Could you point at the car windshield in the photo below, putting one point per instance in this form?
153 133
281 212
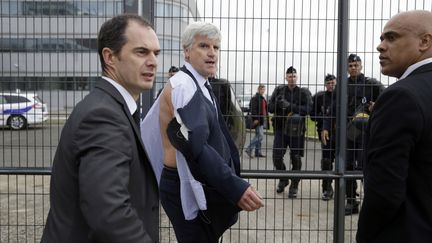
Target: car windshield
38 99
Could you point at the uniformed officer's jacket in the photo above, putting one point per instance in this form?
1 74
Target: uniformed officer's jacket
361 91
322 107
299 99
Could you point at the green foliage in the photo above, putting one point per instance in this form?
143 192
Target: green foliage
310 128
311 131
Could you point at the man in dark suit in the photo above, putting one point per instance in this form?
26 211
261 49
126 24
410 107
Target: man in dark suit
103 188
398 167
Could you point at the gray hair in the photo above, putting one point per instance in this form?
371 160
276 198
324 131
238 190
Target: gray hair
199 28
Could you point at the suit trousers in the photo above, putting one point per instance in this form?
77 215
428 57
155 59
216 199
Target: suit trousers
186 231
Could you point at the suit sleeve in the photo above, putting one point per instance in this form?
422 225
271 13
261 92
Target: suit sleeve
233 147
388 154
213 167
216 170
105 155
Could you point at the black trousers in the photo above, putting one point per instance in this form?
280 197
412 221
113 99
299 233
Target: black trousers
328 153
186 231
354 161
281 143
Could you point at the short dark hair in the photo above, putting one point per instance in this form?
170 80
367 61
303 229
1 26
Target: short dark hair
260 86
291 70
329 77
112 34
354 58
173 69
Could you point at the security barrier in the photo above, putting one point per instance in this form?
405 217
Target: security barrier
49 48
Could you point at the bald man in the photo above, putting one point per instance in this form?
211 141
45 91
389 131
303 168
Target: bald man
398 167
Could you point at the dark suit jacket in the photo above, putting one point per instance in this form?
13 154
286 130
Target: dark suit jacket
103 188
211 147
397 206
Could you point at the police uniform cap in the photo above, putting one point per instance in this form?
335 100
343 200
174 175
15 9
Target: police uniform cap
329 77
291 70
353 58
173 69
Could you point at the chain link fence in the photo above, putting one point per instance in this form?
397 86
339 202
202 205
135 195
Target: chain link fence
49 60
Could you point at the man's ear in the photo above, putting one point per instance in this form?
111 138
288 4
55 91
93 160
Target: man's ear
108 56
426 42
186 54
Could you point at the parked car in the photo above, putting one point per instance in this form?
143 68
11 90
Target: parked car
244 100
18 110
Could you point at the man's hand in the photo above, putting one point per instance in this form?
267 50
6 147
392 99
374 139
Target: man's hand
371 105
250 200
283 104
255 123
324 136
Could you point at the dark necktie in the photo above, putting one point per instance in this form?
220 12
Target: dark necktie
136 117
210 90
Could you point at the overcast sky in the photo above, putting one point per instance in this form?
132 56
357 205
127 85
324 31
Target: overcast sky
262 38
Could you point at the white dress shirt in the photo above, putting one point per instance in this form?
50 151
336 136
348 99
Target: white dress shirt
183 89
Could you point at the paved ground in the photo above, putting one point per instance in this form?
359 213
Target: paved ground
24 200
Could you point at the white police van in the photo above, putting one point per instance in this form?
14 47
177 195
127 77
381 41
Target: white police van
20 109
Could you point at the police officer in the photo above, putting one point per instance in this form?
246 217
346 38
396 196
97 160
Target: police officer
290 104
362 94
322 107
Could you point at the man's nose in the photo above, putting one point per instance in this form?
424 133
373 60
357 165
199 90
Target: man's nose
380 48
152 60
212 51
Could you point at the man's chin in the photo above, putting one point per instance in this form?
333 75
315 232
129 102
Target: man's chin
147 86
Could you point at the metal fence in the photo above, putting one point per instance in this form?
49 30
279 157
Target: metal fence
48 48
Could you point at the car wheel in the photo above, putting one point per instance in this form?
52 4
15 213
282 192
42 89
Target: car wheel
17 122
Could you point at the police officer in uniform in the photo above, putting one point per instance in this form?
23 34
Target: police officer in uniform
322 107
290 104
362 94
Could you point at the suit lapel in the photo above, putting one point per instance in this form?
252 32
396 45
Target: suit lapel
111 90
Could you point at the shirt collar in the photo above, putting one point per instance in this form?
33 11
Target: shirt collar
413 67
200 79
130 102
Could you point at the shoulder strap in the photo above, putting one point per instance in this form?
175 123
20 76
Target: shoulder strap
185 70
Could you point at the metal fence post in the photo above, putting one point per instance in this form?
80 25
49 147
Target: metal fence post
341 117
